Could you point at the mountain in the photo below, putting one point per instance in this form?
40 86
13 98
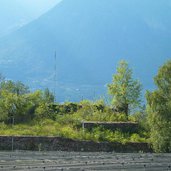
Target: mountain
89 37
16 13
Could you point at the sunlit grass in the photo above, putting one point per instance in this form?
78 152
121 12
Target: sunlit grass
54 128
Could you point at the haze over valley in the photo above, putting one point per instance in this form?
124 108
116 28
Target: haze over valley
89 37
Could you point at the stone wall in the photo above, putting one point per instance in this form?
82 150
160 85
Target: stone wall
64 144
130 127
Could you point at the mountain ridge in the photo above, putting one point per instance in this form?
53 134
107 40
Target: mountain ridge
89 38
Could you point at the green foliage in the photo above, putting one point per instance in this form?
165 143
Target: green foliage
159 110
21 107
137 138
14 87
52 128
63 109
17 102
35 113
125 91
48 96
2 78
140 117
97 111
42 111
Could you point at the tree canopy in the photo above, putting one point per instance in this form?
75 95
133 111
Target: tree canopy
159 110
125 91
17 102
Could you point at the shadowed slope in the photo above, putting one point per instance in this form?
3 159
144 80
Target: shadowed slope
90 37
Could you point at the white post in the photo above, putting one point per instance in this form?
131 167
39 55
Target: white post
83 127
12 145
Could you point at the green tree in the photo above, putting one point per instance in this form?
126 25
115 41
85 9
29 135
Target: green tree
43 110
159 110
19 107
17 102
14 87
2 78
13 103
48 96
125 91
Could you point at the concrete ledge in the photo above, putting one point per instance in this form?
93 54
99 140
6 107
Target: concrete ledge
65 144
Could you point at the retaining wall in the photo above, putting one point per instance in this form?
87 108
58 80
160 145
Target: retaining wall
131 127
64 144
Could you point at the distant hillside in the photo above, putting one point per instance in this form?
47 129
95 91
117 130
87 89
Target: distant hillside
16 13
89 37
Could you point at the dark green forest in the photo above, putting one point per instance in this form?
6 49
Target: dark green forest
26 112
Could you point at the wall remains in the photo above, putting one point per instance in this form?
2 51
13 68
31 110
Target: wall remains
65 144
131 127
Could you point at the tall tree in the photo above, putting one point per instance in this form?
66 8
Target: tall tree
48 96
2 78
159 110
125 91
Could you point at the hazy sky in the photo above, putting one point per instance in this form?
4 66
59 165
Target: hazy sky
16 13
